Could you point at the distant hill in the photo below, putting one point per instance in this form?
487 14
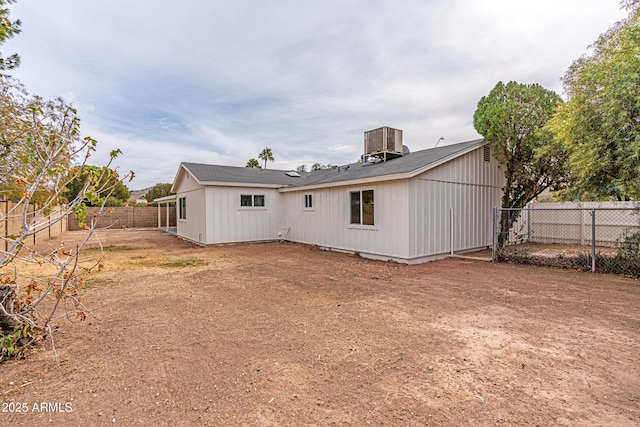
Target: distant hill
139 194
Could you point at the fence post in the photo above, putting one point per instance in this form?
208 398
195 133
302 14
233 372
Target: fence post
495 229
528 223
593 240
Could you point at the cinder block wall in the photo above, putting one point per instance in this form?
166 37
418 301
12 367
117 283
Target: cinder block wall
128 217
11 225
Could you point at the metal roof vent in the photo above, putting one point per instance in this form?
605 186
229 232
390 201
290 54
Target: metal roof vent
384 142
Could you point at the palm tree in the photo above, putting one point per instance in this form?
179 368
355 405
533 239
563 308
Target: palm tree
253 163
266 155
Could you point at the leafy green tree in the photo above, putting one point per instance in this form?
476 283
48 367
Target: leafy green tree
157 191
320 166
253 163
8 29
599 125
108 184
512 120
265 155
301 168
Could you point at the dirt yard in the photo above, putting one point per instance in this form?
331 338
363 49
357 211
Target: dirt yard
278 334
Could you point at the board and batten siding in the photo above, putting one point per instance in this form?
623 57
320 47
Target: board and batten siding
193 226
467 189
228 222
327 223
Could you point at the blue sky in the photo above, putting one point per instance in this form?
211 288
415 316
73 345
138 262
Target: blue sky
216 82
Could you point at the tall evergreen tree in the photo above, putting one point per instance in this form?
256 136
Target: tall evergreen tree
512 119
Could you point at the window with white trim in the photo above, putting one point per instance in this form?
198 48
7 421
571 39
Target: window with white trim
362 212
308 201
252 200
182 208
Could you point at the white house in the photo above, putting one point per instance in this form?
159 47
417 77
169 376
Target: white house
394 205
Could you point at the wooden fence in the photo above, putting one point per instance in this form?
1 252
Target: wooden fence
11 223
129 217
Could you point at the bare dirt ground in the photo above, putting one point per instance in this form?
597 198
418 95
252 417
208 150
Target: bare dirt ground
554 250
278 334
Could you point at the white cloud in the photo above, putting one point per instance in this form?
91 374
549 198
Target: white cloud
218 81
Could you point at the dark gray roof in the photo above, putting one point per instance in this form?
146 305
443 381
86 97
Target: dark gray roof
405 164
240 175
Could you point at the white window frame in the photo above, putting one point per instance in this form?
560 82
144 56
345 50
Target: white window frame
308 201
361 214
255 198
182 208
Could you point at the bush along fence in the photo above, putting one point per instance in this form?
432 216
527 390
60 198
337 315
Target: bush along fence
129 217
597 237
11 223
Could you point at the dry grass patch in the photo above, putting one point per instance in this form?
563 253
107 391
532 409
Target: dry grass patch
172 263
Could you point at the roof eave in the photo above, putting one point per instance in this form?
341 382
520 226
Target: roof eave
348 182
175 179
241 184
166 199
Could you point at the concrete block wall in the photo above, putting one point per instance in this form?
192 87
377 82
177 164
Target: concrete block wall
11 223
128 217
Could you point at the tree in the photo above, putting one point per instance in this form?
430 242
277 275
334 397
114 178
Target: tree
265 155
319 166
512 120
41 142
157 191
253 163
301 168
599 125
118 193
7 30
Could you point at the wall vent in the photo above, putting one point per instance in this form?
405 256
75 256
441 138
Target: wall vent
487 153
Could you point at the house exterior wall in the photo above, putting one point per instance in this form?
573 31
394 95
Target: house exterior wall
327 223
228 222
193 227
447 208
467 189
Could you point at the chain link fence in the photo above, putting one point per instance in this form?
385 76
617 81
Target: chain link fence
599 238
